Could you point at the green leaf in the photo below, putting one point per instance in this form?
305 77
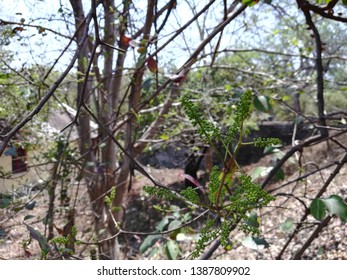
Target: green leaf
336 206
187 217
153 252
2 234
249 2
5 202
255 243
39 238
182 237
149 242
162 224
27 217
164 137
287 226
260 171
102 145
175 224
174 227
262 103
285 98
30 205
141 60
147 84
172 250
280 174
228 87
253 220
299 120
317 209
271 149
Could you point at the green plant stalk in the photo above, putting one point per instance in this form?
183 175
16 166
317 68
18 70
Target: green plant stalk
227 151
219 192
227 169
210 141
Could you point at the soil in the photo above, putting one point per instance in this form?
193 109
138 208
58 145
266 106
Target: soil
277 220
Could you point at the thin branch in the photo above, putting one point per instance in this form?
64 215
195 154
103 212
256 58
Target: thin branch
6 138
337 169
319 67
140 106
321 226
186 67
226 50
216 31
302 177
62 53
323 11
155 125
121 231
292 151
180 30
293 196
17 72
135 163
308 142
40 27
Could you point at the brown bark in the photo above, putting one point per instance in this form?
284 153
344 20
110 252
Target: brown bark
134 97
94 180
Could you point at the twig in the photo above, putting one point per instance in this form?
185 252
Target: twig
6 138
302 177
293 150
319 66
322 10
319 194
5 22
136 164
121 231
322 225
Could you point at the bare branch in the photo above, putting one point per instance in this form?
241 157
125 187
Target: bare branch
337 169
6 138
319 68
323 11
5 22
314 235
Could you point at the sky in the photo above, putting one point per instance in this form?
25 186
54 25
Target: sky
36 48
30 46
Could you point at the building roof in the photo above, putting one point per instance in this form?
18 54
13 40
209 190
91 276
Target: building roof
60 118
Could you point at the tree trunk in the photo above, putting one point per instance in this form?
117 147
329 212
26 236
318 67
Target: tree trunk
96 176
101 170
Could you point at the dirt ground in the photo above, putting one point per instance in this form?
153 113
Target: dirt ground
288 208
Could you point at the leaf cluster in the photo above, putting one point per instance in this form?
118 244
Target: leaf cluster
247 196
242 110
266 142
191 195
160 192
206 129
